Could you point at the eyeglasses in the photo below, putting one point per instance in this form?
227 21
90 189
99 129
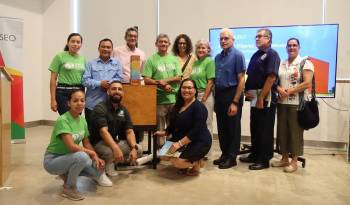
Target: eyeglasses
224 38
182 43
260 36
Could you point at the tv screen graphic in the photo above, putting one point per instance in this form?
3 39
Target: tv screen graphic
318 42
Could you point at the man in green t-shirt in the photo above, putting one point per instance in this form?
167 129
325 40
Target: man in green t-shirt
163 70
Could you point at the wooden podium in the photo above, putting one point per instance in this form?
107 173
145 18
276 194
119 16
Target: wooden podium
5 124
141 102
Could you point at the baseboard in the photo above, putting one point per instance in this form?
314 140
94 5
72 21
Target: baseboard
38 123
341 146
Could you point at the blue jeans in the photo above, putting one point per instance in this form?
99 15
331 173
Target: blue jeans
72 165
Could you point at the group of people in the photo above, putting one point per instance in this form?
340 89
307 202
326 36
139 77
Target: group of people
190 87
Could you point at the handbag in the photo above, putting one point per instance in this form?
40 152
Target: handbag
308 114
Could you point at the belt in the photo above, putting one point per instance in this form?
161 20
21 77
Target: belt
63 86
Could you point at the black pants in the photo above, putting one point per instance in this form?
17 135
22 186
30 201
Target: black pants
262 123
229 128
62 99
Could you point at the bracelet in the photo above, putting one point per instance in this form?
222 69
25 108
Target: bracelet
180 143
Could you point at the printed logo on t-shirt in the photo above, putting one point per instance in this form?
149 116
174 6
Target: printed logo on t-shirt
78 137
196 70
263 57
165 67
73 66
121 113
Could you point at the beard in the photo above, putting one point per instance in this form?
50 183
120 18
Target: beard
115 99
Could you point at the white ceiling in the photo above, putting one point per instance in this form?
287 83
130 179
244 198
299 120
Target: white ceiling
37 6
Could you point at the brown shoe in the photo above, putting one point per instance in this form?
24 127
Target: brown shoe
72 194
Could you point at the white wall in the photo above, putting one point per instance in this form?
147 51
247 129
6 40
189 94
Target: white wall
31 59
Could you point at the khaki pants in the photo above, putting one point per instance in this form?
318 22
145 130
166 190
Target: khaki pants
163 118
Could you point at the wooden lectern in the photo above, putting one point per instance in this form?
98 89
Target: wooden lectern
5 124
141 102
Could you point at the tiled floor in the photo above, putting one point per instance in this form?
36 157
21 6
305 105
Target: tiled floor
325 180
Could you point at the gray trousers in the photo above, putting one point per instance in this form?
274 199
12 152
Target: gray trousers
106 153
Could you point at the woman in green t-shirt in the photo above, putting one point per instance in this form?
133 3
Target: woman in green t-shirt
65 157
67 69
203 73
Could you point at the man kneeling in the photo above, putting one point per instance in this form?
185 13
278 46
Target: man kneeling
112 132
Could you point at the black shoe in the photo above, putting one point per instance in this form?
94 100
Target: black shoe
259 166
228 163
247 159
219 160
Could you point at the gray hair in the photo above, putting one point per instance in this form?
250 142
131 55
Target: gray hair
162 35
227 30
203 42
267 32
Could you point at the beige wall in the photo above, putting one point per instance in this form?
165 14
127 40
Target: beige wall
31 59
45 34
98 21
56 28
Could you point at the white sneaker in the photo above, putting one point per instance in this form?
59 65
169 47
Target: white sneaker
103 180
110 171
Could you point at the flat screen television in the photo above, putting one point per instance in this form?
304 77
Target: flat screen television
319 42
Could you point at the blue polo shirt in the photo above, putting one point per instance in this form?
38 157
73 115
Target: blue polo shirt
228 65
260 66
96 71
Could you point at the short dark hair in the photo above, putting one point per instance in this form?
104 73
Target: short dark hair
189 47
105 39
116 81
295 39
73 92
66 48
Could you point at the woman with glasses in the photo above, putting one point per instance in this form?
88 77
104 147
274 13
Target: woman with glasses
188 130
182 49
289 134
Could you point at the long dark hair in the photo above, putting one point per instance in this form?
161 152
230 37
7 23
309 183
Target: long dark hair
189 46
179 100
66 48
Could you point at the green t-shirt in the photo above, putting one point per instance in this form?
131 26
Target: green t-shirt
202 71
69 68
161 67
68 125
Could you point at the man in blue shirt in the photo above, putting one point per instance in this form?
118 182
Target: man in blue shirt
229 86
261 91
98 75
